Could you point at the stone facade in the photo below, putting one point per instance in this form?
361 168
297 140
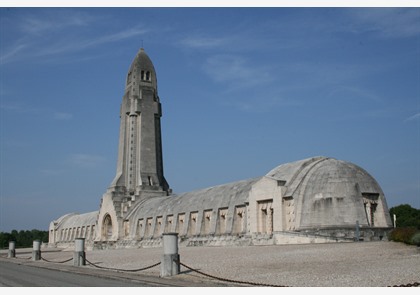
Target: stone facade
318 199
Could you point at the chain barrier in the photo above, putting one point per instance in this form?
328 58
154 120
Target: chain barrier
126 270
56 261
23 257
416 284
227 280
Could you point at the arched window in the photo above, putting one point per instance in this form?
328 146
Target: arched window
107 227
146 76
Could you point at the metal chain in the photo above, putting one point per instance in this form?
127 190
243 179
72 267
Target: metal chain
227 280
127 270
416 284
23 257
56 261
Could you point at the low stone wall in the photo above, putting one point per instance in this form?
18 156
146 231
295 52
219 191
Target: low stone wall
331 235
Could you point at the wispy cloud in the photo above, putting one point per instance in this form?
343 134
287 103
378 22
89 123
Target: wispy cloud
22 108
236 71
54 21
12 53
82 44
62 116
85 160
353 92
51 172
262 105
386 22
51 36
413 118
202 42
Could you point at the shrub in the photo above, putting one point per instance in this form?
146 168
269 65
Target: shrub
415 239
403 234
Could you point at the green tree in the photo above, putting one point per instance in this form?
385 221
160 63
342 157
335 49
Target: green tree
407 216
4 240
23 238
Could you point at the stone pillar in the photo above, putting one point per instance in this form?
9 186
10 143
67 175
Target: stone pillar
12 249
36 252
79 255
169 266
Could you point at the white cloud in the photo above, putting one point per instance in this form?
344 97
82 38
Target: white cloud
58 34
56 21
235 71
62 116
69 46
202 42
23 108
51 172
86 160
413 117
388 22
10 54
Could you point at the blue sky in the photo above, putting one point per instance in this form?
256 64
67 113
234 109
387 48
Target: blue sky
243 90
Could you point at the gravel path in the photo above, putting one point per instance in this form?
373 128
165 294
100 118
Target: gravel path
363 264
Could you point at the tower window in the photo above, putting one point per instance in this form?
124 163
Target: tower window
145 76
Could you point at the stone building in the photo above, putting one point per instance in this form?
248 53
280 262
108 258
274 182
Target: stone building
318 199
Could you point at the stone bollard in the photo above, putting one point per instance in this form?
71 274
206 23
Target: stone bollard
36 252
169 266
79 255
12 249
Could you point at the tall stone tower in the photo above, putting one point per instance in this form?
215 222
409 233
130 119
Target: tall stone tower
140 164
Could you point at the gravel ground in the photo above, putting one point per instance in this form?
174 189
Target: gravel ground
363 264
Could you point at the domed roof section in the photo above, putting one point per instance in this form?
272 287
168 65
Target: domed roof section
142 70
331 171
330 193
324 169
289 171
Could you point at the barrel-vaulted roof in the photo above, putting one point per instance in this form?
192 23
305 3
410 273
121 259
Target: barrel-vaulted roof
221 196
77 220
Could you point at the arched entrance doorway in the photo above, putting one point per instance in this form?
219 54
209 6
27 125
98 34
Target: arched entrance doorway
107 227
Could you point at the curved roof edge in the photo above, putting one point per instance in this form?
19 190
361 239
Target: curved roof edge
220 196
77 220
288 171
